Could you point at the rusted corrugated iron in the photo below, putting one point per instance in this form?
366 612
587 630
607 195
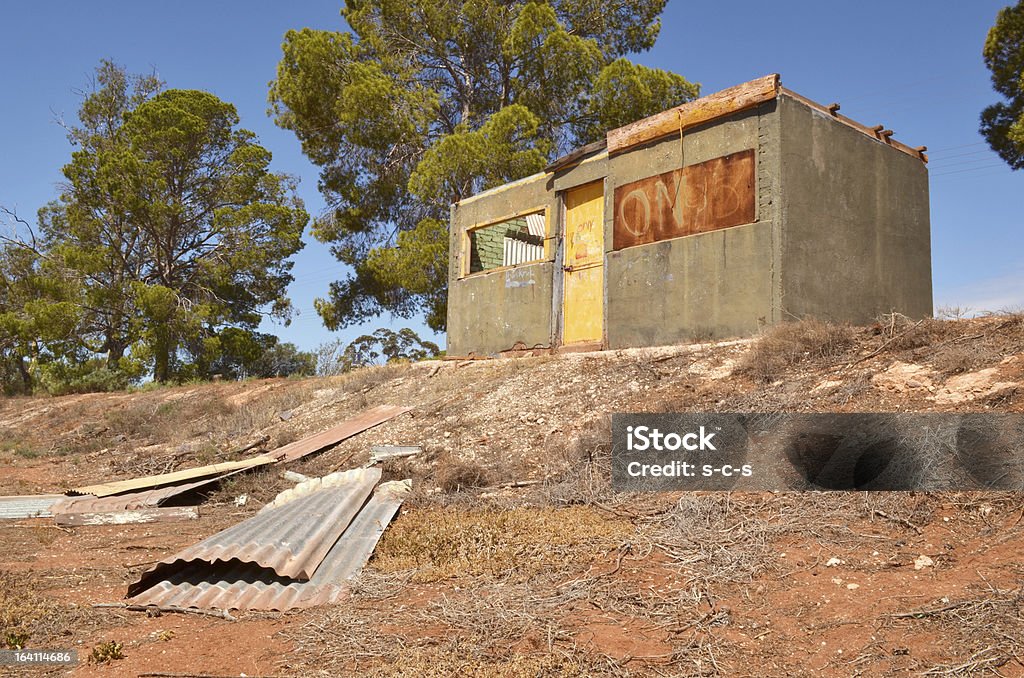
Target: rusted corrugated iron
132 500
333 436
176 477
28 506
244 586
290 541
715 194
290 452
310 485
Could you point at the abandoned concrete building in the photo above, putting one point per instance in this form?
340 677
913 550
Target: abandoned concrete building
710 220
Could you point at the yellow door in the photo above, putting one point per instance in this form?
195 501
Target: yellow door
583 287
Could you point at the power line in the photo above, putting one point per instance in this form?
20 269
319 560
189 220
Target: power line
970 169
944 158
951 148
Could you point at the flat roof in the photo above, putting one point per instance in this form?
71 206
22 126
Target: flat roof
700 111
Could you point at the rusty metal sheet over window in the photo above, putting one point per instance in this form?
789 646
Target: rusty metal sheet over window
715 194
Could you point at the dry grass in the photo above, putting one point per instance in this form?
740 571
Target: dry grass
453 542
364 379
264 411
28 618
454 475
987 627
787 344
511 636
169 420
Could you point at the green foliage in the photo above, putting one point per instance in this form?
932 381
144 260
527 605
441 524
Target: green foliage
1002 124
169 231
424 103
383 345
238 354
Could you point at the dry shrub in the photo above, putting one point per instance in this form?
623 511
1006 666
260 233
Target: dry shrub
106 652
904 334
584 462
789 343
444 543
260 484
454 475
960 359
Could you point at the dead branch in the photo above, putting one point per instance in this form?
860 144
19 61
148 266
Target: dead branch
220 614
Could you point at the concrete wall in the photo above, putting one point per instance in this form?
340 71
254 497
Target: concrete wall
493 310
711 285
700 287
856 240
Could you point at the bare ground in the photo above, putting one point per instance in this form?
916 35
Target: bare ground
561 577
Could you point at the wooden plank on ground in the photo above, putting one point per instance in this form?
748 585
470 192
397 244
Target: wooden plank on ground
145 515
333 436
696 112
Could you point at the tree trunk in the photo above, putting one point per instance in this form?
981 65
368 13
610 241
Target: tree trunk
26 376
114 354
162 356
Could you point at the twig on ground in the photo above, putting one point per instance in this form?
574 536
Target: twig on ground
220 614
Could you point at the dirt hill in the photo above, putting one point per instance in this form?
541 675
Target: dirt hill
513 557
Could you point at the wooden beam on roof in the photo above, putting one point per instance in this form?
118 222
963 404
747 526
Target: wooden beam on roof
576 156
872 132
693 113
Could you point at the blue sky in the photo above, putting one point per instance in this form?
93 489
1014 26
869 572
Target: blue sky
914 65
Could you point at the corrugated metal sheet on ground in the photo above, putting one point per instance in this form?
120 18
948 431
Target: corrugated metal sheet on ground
28 506
131 501
291 540
242 586
121 486
333 436
311 485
